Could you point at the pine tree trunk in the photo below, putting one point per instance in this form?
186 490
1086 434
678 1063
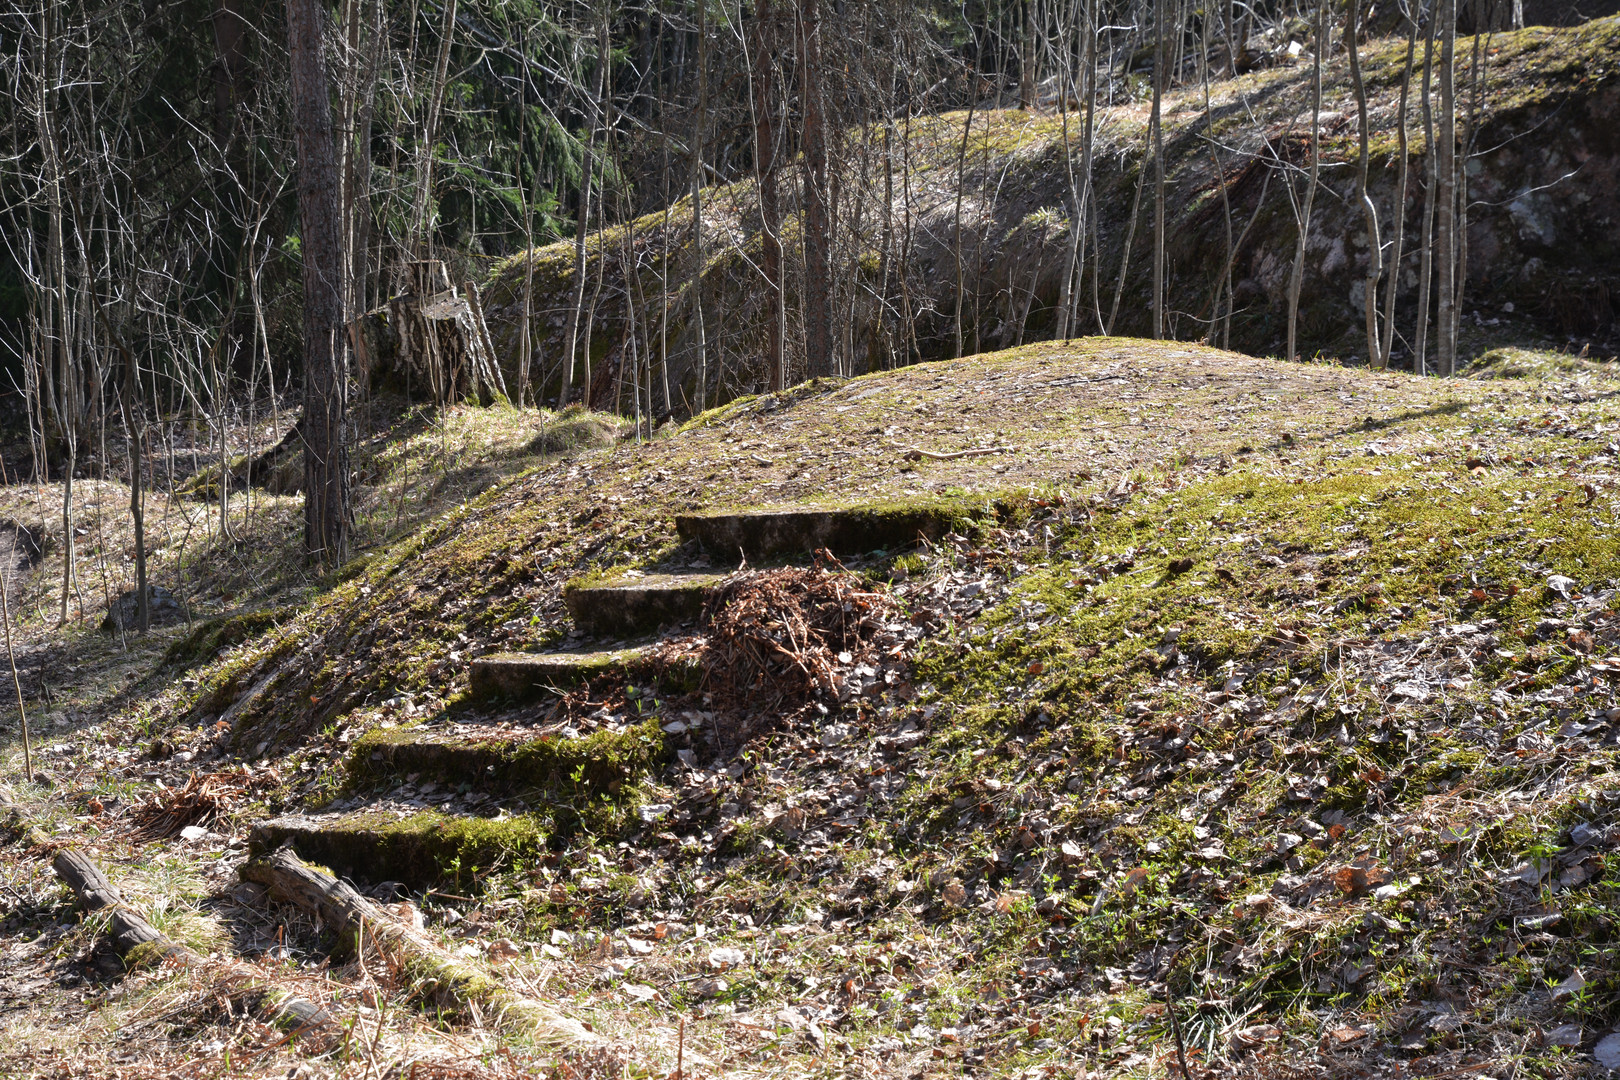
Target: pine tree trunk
326 465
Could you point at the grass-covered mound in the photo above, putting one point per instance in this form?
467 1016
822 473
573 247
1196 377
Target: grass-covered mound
1276 695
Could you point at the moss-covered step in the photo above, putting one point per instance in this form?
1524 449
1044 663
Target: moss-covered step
851 530
417 849
522 676
561 770
634 604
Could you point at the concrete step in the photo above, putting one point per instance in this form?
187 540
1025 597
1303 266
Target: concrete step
636 604
417 848
760 534
547 767
525 676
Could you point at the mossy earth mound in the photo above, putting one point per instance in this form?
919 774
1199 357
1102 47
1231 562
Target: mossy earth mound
493 573
1277 693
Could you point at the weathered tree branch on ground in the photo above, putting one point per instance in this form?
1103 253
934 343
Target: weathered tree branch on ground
915 453
432 971
138 942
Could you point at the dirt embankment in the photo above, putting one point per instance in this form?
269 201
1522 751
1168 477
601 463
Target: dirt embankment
1543 242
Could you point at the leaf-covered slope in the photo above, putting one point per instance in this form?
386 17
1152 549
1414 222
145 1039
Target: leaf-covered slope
1278 693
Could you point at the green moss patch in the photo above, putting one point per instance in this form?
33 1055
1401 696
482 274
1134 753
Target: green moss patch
562 769
419 850
213 636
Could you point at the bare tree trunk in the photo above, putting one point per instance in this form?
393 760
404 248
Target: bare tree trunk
1077 226
1087 151
421 235
525 331
1398 236
1369 212
576 310
763 63
1446 228
59 385
357 203
1431 181
326 464
135 435
961 187
1156 124
1130 238
1297 278
817 213
697 205
1476 91
1026 65
1223 283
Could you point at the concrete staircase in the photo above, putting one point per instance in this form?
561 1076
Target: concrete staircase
475 799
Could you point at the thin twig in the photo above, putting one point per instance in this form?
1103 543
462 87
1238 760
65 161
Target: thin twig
1175 1027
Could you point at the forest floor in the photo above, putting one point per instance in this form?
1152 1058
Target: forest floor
1271 699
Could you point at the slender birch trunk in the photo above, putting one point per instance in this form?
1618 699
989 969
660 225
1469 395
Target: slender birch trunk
1369 212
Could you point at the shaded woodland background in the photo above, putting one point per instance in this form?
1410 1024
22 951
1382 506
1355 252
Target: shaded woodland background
652 207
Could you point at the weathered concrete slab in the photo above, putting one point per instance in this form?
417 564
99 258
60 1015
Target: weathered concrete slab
760 534
524 676
636 604
548 767
415 848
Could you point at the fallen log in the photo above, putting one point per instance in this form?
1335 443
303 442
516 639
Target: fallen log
139 943
433 973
